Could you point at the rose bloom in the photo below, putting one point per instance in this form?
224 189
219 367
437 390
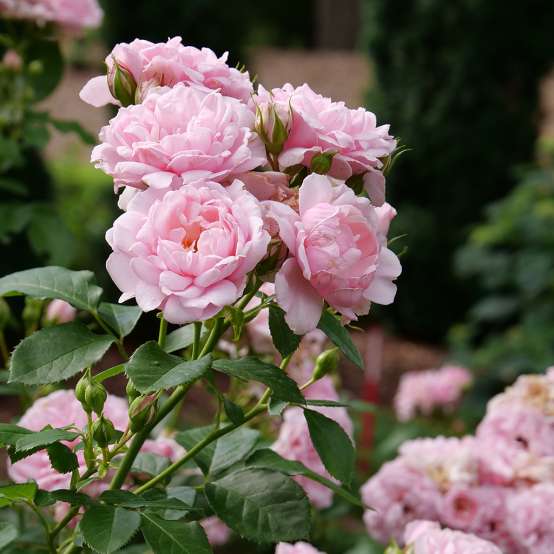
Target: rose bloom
179 135
294 441
426 537
70 14
318 125
517 444
396 495
60 409
187 252
167 64
425 391
530 519
298 548
339 253
59 311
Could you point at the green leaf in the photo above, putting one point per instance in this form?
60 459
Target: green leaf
14 217
10 434
252 369
152 369
189 438
332 327
261 505
48 498
332 444
17 493
233 448
8 533
174 537
268 459
149 463
44 438
122 319
13 186
182 338
356 405
276 406
57 353
62 458
234 411
187 495
106 529
75 287
284 339
127 499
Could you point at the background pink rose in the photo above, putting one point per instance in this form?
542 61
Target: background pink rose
338 254
298 548
187 252
319 125
71 14
167 64
179 135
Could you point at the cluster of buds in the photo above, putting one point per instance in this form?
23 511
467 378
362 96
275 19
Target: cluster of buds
91 395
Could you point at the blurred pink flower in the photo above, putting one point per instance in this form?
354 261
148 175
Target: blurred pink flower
167 64
217 532
298 548
179 135
529 518
69 14
339 254
396 495
426 537
187 252
425 391
59 311
319 125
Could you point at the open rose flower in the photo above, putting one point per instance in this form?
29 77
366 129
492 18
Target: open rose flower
427 537
317 125
69 14
187 252
339 253
179 135
167 64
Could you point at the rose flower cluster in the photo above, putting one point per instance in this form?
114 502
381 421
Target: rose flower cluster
71 15
219 180
498 484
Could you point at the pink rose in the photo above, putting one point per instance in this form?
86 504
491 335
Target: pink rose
179 135
426 537
59 311
396 495
167 64
298 548
319 125
187 252
70 14
530 519
339 254
424 391
217 532
267 185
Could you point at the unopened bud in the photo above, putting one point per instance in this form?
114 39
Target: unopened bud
59 311
141 411
80 391
122 84
325 363
5 314
32 312
103 431
95 397
272 129
321 163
